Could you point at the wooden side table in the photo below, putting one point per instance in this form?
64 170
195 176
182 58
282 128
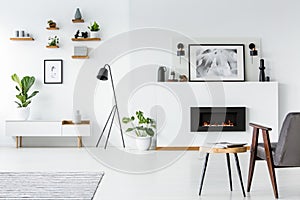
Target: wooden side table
234 151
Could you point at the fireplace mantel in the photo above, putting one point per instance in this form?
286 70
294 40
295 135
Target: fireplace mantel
176 99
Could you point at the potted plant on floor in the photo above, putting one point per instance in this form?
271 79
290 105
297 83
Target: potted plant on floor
142 127
94 28
24 99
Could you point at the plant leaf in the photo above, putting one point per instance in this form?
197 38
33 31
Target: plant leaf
33 94
18 88
16 79
27 82
149 131
126 120
19 105
26 103
130 129
21 98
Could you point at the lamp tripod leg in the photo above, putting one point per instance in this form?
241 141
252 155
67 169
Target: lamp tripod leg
113 108
120 126
112 121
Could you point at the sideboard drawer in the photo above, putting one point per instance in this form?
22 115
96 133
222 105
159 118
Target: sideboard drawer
33 128
76 130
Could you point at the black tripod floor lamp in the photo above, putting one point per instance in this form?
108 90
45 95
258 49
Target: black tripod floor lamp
103 76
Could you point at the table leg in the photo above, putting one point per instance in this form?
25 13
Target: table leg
17 141
203 172
79 141
239 172
20 141
229 170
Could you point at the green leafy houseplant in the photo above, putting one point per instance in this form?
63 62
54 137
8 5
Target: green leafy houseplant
94 27
51 23
53 41
23 88
143 127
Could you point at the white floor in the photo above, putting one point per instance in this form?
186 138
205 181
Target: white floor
179 180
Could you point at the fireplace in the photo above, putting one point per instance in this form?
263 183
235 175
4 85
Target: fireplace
204 119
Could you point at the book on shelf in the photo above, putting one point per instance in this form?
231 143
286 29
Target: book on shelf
227 144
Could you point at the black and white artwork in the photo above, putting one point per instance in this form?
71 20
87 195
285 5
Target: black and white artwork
53 71
216 62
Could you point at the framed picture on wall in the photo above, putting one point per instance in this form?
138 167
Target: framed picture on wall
53 71
216 62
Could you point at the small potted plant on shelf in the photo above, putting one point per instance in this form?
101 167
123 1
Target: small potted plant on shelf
94 28
144 129
51 23
53 41
24 99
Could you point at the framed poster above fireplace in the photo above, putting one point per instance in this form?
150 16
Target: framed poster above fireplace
216 62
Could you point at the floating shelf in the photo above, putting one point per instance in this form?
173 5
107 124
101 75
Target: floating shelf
50 28
22 39
78 20
52 47
86 39
80 57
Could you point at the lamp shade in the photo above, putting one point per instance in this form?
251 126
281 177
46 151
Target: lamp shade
103 74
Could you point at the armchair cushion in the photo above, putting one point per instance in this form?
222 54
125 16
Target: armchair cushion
261 150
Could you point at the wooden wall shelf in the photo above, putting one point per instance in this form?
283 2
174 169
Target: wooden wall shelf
52 47
80 57
86 39
22 39
49 28
78 20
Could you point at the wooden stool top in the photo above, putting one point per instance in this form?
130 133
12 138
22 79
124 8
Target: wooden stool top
224 150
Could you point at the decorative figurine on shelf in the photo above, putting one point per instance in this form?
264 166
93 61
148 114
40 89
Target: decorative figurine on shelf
78 14
183 78
77 34
51 23
172 77
262 76
84 34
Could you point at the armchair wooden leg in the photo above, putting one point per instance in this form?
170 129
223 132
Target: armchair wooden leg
269 159
252 158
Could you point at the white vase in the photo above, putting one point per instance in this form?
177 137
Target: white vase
143 143
23 113
94 34
77 117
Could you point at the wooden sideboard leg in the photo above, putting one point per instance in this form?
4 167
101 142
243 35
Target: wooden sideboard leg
79 138
20 141
17 141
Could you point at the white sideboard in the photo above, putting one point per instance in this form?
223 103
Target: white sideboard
32 128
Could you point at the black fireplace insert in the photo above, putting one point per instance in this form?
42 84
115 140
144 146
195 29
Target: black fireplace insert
205 119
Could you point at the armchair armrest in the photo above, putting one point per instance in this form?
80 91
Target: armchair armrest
260 127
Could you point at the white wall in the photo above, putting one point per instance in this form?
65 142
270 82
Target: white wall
54 102
274 22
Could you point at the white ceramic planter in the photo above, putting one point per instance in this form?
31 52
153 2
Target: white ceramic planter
143 143
94 34
23 113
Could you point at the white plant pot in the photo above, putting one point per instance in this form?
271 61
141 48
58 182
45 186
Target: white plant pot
143 143
94 34
23 113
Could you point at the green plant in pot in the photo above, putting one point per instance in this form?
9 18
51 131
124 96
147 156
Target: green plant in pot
51 23
24 98
53 41
143 127
94 28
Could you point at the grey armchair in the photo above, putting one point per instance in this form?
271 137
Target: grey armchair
284 153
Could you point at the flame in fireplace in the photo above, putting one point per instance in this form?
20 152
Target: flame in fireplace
217 124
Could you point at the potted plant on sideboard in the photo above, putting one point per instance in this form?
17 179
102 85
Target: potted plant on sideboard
94 28
143 128
51 23
23 86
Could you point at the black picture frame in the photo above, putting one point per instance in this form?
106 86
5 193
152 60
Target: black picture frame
53 71
216 62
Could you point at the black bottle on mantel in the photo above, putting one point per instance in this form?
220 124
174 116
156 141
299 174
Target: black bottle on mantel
262 76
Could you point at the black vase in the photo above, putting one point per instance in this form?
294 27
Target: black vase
262 76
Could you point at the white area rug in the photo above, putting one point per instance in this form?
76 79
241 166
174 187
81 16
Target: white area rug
49 185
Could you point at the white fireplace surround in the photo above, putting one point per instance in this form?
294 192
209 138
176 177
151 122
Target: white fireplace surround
259 98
